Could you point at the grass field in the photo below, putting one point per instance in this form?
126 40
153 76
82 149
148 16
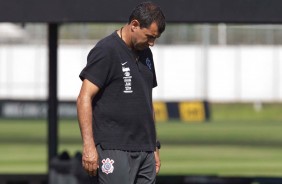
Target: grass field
238 141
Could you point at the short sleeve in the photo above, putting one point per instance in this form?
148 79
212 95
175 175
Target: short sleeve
98 67
155 83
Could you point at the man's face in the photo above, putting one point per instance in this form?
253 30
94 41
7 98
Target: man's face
145 37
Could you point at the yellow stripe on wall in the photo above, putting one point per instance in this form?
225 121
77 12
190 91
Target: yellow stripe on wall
161 113
191 111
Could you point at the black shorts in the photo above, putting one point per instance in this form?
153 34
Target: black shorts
125 167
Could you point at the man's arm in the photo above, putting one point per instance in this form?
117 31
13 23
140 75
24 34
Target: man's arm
84 111
158 160
157 152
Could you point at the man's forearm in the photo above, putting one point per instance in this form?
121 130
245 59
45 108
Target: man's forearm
84 112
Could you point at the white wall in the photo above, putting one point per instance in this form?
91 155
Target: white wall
241 73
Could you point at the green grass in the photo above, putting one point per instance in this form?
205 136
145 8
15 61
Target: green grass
238 141
246 112
221 160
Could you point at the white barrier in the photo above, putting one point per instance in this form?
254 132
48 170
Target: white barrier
234 73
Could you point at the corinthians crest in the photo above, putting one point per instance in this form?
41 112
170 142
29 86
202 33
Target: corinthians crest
107 166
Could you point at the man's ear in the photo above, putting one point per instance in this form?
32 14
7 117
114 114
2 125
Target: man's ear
134 24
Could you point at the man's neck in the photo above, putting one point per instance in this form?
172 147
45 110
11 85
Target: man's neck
124 34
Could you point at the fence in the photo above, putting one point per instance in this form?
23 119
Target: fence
215 73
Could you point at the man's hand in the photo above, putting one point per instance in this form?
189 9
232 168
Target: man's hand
90 160
158 161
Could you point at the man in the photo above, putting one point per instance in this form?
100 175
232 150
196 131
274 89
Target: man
115 110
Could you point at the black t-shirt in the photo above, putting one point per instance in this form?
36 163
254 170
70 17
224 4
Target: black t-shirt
122 109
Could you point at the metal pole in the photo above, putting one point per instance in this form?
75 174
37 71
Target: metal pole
205 50
205 80
52 96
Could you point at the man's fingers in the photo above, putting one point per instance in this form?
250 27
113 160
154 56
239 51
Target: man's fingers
85 165
90 168
93 173
90 160
158 169
93 169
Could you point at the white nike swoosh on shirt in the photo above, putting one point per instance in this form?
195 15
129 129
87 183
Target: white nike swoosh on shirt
124 63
